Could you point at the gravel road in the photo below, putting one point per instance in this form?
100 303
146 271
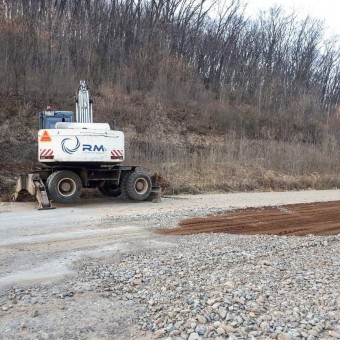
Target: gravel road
97 270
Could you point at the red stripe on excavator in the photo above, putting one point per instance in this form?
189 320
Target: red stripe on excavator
46 154
116 154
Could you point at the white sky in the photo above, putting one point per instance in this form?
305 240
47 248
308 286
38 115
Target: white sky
328 10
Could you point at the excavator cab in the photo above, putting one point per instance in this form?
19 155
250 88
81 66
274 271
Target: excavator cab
48 119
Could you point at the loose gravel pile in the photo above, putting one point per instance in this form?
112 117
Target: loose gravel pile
219 285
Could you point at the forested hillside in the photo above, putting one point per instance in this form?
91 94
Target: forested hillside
237 103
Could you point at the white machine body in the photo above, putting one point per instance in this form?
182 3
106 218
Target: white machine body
80 143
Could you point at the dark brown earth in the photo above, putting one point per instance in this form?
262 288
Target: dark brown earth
299 219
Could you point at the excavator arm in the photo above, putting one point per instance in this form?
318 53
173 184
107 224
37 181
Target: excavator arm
84 112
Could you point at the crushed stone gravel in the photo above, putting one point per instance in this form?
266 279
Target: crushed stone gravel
203 286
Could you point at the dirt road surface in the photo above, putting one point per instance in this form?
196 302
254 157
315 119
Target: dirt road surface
40 246
44 247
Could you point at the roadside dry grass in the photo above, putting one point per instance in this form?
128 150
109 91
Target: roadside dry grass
228 165
232 164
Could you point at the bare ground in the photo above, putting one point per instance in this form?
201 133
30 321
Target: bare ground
43 252
39 246
299 219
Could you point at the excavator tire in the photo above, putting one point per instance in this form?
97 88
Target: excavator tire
110 190
123 181
138 186
64 186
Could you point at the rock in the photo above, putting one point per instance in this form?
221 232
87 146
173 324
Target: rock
334 334
264 326
35 313
238 319
160 332
190 325
66 294
253 334
216 305
217 324
229 284
222 311
193 336
200 330
220 331
241 300
210 302
313 332
201 319
228 328
175 333
293 333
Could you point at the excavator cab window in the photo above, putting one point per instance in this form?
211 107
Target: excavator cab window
48 119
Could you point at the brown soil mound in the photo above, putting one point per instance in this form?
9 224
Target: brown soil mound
299 219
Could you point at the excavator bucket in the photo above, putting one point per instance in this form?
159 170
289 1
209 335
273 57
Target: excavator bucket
35 186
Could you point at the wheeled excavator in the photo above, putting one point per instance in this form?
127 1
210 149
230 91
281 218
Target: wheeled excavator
77 153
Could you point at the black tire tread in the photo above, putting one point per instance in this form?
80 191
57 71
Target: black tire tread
123 181
130 186
108 191
52 189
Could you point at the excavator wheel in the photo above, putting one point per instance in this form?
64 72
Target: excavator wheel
138 186
110 190
64 186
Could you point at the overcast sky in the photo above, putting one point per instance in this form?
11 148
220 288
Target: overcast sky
328 10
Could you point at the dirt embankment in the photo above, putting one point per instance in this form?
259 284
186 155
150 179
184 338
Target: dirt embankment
299 219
